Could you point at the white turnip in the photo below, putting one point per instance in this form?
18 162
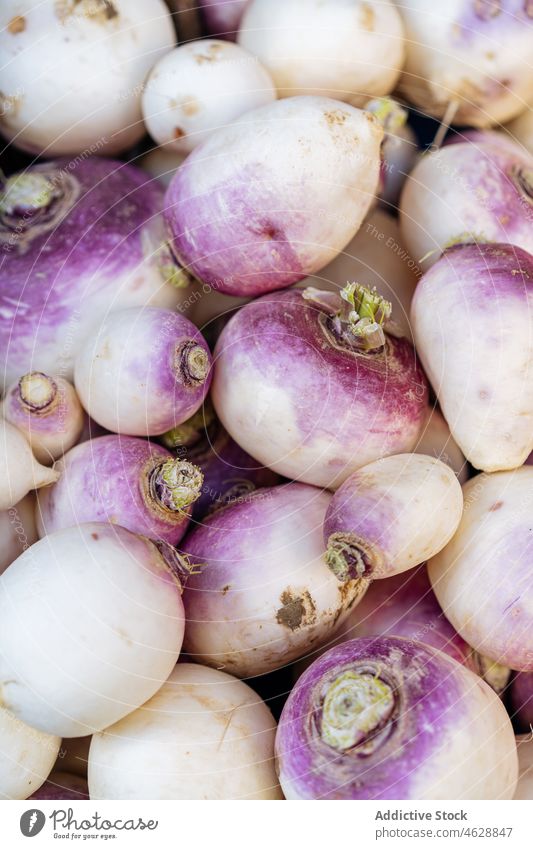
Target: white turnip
19 470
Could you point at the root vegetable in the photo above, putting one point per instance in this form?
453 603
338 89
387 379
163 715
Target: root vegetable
19 470
123 480
388 718
143 372
26 756
472 317
91 625
17 530
204 735
495 530
275 195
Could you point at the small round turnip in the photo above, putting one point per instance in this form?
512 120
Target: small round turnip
389 718
201 87
144 371
495 530
91 625
26 756
19 470
204 735
348 49
18 530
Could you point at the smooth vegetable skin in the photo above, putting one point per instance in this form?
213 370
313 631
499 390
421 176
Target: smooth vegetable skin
91 625
391 515
471 56
297 388
17 530
472 316
495 530
126 481
389 718
19 470
349 50
204 735
144 371
93 57
275 195
26 756
79 238
62 785
261 594
520 701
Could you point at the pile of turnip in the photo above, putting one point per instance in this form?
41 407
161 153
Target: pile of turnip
266 410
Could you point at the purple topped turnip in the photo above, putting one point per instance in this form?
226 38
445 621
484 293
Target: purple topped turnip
19 470
312 385
201 87
123 480
492 550
391 515
262 594
26 756
17 530
348 49
467 193
144 371
470 58
92 58
472 316
204 735
275 195
389 718
222 17
47 411
91 625
77 239
520 701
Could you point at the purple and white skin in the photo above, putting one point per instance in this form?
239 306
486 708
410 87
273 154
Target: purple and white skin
26 756
436 441
275 195
468 61
92 60
495 530
62 786
348 50
222 17
390 718
20 472
262 595
144 371
472 314
312 385
467 193
524 788
47 411
391 515
520 702
127 481
77 242
199 88
18 530
521 129
91 626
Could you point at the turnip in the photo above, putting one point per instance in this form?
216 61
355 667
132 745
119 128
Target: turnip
275 195
78 239
47 411
62 786
520 701
524 788
19 470
144 371
262 594
468 58
17 530
467 193
521 129
312 386
390 718
222 17
391 515
73 72
204 735
491 550
347 49
123 480
26 756
472 316
436 440
91 625
201 87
